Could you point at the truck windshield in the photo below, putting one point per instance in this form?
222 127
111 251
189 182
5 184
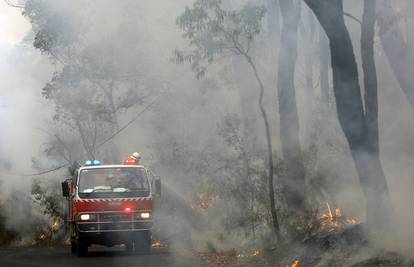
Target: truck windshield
113 182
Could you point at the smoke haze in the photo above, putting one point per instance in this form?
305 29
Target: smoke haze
179 135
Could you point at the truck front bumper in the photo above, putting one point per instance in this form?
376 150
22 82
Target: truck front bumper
114 238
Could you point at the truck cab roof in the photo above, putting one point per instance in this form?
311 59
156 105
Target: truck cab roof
111 166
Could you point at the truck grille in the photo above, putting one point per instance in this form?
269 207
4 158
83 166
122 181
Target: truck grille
108 217
115 221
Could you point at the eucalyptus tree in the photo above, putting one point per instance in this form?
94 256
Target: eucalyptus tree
214 33
351 115
294 180
370 74
97 76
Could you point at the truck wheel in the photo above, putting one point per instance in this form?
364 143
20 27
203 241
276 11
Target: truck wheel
142 243
73 247
82 247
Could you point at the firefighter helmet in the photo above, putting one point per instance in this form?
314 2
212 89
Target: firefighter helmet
136 155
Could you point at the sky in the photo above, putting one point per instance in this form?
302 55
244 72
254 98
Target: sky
13 26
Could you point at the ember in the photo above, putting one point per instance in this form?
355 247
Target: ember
55 223
294 264
204 202
253 254
158 244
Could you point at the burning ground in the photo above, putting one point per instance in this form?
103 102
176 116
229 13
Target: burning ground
332 239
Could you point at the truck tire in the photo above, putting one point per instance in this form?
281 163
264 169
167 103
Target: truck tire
82 247
73 247
142 243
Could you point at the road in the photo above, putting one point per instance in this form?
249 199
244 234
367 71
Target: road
98 257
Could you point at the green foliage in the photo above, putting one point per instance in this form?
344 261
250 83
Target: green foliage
213 31
49 199
241 182
229 130
48 25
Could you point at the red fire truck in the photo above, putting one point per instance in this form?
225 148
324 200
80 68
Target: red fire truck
110 205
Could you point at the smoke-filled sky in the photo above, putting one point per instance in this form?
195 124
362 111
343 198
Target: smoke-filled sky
13 26
22 68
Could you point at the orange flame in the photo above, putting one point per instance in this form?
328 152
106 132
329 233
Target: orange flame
158 244
338 212
295 263
204 202
334 220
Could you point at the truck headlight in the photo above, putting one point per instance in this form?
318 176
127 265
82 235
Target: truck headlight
144 215
87 217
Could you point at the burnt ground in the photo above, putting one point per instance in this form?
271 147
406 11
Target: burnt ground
341 247
344 247
347 247
99 257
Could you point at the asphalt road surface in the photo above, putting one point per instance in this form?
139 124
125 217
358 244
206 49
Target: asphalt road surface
98 257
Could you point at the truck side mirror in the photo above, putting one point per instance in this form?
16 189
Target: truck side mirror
65 189
158 186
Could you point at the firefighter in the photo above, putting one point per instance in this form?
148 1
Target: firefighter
136 157
116 180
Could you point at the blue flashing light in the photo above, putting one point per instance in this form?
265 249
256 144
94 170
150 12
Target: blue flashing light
92 162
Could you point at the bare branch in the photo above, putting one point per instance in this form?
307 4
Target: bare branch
9 3
349 15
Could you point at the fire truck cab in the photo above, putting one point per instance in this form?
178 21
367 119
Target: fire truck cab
110 205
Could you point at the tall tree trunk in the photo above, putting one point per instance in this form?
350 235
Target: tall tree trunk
309 53
307 28
351 113
273 17
370 74
371 92
270 163
399 55
249 113
324 67
294 181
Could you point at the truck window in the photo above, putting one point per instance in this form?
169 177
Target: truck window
113 182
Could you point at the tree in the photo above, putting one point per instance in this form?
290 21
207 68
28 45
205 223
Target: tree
96 78
351 114
243 181
370 74
215 32
294 180
323 54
